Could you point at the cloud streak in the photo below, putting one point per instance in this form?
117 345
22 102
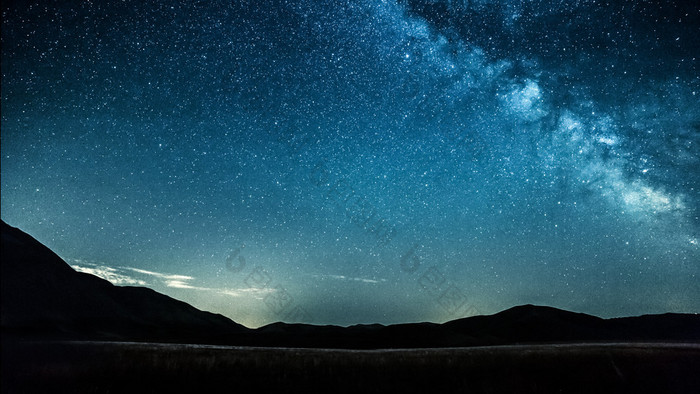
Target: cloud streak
167 277
108 273
128 276
349 278
254 292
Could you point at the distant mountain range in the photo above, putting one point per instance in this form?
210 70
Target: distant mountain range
43 297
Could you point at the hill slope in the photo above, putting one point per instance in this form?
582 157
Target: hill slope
42 295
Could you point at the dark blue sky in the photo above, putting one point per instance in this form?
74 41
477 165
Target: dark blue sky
341 162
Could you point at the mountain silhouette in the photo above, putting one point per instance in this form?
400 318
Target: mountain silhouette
44 297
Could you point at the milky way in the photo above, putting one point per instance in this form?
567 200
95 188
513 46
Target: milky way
342 162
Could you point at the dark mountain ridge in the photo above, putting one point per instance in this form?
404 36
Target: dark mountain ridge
43 297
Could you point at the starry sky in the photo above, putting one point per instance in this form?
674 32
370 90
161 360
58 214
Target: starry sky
361 161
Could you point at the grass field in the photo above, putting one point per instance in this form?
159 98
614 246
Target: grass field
112 367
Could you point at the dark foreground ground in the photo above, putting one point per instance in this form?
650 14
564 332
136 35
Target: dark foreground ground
111 367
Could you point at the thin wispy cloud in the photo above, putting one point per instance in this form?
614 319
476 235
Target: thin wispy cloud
180 284
122 276
349 278
161 275
126 276
175 281
254 292
108 273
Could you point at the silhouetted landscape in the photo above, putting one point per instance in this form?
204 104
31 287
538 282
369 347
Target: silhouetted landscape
62 328
395 196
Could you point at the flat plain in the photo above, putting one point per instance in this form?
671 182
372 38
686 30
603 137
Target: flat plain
116 367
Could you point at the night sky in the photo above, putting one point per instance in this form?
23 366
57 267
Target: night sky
343 162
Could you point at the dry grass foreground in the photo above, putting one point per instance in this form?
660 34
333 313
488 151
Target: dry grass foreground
112 367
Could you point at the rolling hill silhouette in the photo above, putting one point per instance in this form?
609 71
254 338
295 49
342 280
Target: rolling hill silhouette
44 297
